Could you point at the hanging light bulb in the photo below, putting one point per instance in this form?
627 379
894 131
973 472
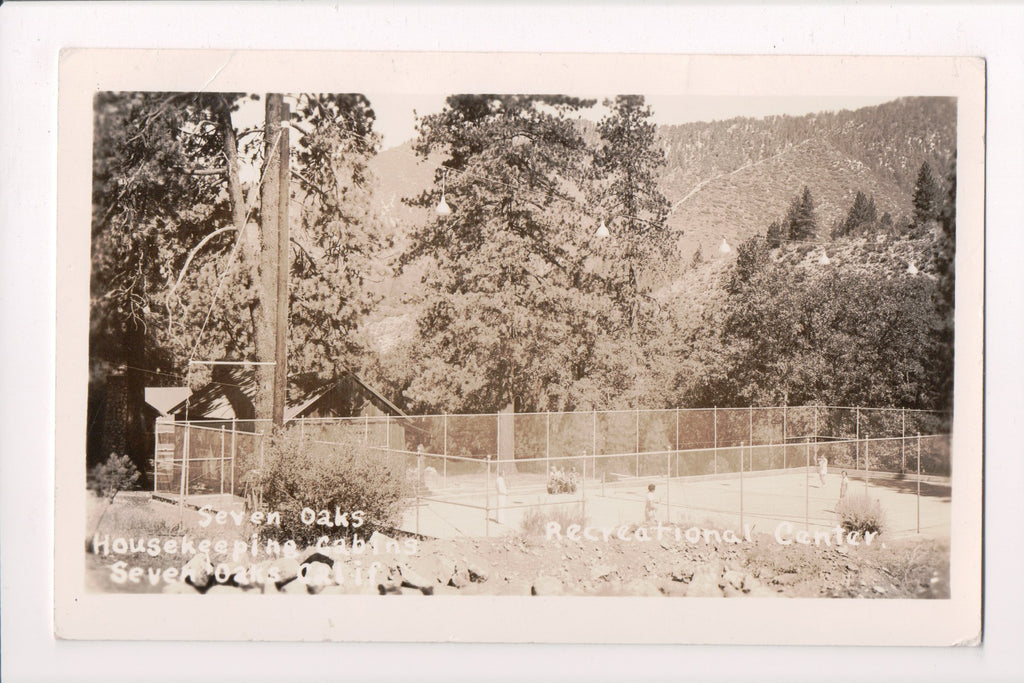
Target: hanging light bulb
824 259
724 247
442 208
602 230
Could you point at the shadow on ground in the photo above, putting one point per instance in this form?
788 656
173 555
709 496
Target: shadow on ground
943 492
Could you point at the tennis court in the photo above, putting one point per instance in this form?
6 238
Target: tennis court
760 500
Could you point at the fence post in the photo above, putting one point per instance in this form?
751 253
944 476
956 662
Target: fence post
675 455
750 440
815 433
741 484
668 484
583 496
232 456
487 500
919 482
302 427
807 486
222 460
445 447
903 443
262 442
785 439
387 434
366 429
593 449
856 443
638 442
547 442
184 478
867 446
716 440
156 452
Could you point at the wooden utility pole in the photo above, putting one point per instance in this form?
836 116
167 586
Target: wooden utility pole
274 255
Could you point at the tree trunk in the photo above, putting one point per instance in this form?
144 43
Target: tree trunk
269 399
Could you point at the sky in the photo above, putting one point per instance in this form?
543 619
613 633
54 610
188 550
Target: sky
396 123
396 112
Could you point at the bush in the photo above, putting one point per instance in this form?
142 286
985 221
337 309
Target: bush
298 474
860 513
118 473
535 520
560 481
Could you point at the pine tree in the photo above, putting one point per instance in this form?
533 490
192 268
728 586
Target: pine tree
801 221
927 198
861 217
506 292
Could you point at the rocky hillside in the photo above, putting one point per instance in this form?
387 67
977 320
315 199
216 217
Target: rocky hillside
732 178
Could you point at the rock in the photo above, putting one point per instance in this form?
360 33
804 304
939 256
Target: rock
294 587
750 584
287 569
198 571
879 589
704 583
389 589
478 572
318 557
682 574
180 588
460 577
600 571
787 579
731 591
444 569
413 579
733 579
317 573
547 585
673 589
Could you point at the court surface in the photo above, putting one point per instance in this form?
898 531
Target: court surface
769 499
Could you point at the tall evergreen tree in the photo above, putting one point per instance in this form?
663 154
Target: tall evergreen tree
801 221
502 300
861 217
927 198
625 166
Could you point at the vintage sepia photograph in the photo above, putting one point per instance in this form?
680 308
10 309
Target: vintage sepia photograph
463 343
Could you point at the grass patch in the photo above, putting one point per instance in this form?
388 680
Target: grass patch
862 514
535 520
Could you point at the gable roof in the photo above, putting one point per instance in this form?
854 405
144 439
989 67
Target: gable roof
164 399
233 394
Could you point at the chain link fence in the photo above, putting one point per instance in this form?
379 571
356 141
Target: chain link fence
457 460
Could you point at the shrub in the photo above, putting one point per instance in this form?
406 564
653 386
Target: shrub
118 473
344 476
860 513
535 520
